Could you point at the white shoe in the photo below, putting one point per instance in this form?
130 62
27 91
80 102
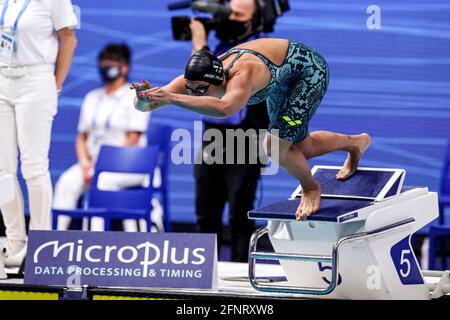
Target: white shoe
14 253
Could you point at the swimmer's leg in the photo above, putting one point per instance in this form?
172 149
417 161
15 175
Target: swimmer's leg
306 98
294 162
321 142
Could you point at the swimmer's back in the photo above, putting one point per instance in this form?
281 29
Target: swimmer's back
272 48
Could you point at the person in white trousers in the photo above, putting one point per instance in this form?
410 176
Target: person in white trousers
107 117
37 45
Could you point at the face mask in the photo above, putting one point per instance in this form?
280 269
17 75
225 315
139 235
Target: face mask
231 30
110 73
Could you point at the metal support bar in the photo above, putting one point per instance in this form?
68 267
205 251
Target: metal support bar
432 273
75 293
334 259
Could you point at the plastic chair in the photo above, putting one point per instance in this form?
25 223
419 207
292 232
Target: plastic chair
132 203
159 135
441 231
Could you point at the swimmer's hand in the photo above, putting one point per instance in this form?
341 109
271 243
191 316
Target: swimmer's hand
142 102
139 87
157 96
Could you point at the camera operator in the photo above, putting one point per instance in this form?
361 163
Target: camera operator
235 184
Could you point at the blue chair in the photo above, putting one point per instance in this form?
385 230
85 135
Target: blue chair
441 231
159 135
130 203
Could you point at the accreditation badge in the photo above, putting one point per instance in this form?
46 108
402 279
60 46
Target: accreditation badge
99 137
7 43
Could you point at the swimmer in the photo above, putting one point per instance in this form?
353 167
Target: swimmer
291 77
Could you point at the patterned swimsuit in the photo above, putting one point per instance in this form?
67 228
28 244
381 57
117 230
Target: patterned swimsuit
295 90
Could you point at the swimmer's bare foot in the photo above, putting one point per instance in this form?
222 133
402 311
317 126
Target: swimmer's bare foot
310 202
360 144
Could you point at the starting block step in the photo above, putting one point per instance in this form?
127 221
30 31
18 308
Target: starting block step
332 210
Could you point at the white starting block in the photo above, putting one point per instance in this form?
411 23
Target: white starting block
6 195
358 246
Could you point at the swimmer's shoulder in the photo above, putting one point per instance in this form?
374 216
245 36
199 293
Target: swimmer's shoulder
274 49
251 72
260 43
246 64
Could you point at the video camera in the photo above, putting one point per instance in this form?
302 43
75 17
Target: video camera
264 19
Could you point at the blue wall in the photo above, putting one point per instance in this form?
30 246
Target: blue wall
393 83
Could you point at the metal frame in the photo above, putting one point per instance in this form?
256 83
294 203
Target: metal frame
440 288
334 259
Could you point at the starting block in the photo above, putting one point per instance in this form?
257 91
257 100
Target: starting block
357 246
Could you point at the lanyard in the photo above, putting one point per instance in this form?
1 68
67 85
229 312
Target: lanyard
108 119
5 7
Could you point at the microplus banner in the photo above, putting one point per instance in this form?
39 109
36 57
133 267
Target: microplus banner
122 259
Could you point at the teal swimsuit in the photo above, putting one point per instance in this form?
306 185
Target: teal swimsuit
295 90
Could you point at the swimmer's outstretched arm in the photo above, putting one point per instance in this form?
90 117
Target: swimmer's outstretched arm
238 91
234 99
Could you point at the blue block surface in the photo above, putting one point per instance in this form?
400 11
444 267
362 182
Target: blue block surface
330 209
364 183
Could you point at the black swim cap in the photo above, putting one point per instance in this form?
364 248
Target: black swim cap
204 66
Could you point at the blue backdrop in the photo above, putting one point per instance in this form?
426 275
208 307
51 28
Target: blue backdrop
393 83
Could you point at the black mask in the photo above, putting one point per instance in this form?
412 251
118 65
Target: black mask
231 30
110 73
